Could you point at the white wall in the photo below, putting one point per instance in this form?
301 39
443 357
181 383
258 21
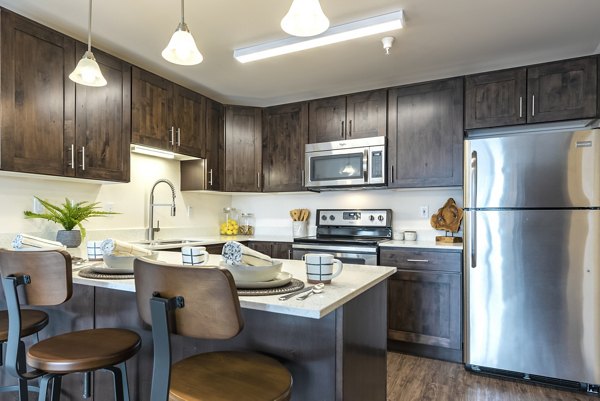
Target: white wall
130 199
272 211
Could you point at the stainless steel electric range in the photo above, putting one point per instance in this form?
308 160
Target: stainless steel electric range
352 235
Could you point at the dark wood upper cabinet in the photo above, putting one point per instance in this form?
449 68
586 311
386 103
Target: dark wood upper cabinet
103 123
38 98
425 138
166 116
562 90
285 132
359 115
215 154
496 98
243 140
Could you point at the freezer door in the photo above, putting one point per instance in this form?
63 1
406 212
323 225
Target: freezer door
533 170
533 296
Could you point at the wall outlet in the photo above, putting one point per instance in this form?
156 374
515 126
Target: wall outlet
189 211
37 206
109 206
424 211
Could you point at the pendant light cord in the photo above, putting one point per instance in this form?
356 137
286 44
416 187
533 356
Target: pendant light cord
182 20
90 28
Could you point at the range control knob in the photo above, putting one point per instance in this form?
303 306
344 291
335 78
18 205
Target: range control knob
380 218
332 217
372 218
323 217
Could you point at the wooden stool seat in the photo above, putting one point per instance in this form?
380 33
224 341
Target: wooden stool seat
83 350
219 376
32 321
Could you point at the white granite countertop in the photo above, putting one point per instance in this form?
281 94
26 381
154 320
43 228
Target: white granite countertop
421 244
353 281
215 239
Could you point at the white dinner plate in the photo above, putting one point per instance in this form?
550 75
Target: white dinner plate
280 280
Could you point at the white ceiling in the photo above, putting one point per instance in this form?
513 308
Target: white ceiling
442 38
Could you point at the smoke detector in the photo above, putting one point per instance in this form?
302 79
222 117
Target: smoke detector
387 44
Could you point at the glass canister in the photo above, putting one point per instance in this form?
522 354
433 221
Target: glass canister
229 222
247 222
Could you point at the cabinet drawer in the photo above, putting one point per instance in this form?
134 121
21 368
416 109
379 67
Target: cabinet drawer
422 260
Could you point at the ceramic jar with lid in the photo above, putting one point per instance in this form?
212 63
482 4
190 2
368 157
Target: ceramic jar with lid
229 222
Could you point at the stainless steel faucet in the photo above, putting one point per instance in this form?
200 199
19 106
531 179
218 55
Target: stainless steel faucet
151 229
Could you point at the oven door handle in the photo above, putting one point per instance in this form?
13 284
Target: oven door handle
366 165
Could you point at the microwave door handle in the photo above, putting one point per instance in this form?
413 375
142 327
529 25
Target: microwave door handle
366 165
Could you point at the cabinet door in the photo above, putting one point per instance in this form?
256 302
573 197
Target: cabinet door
189 122
281 250
562 91
262 247
215 154
243 136
495 99
366 114
38 98
425 308
151 110
327 119
425 138
103 117
285 132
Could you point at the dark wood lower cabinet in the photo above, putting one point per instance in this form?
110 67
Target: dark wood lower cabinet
425 303
278 250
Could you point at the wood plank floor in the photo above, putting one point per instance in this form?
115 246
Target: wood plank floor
420 379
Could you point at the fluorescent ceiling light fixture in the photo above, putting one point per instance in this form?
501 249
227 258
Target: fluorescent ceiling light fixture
336 34
165 154
88 71
305 18
182 48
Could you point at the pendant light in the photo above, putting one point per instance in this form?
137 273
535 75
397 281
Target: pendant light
88 71
305 18
182 48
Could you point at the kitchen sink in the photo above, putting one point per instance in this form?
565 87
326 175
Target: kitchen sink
167 243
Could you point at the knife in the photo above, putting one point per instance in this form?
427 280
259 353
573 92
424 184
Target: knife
292 294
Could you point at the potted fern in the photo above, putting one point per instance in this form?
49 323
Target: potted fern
69 215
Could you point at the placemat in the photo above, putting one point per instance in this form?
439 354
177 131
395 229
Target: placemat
292 286
88 272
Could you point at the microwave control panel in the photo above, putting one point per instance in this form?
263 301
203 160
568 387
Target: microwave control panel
352 217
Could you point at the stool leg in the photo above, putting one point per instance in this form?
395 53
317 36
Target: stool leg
22 368
125 384
120 381
56 386
87 385
44 387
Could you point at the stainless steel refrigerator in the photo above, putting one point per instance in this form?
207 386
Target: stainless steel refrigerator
532 252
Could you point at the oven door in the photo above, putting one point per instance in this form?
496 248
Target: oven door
339 167
356 255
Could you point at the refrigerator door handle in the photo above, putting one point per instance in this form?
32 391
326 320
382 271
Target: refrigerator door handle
473 220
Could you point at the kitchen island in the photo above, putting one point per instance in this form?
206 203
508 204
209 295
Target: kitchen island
334 343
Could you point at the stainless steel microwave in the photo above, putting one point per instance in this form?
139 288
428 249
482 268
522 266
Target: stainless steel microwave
351 163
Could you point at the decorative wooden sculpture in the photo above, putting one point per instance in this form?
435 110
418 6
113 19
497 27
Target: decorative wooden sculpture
448 218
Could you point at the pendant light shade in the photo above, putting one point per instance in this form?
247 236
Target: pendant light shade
305 18
88 71
182 48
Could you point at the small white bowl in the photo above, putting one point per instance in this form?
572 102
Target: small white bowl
124 262
245 273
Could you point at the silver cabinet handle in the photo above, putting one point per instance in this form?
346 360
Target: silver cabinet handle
303 183
392 174
366 165
532 105
418 260
72 150
258 180
350 128
178 136
473 205
210 177
172 134
342 129
520 106
290 254
83 158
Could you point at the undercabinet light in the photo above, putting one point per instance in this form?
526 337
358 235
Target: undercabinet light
165 154
336 34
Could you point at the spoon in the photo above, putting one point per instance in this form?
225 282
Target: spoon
317 289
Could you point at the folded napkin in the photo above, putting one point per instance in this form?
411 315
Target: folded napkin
235 253
24 241
120 248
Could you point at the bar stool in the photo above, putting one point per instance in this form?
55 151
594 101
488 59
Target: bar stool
32 322
202 303
46 279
